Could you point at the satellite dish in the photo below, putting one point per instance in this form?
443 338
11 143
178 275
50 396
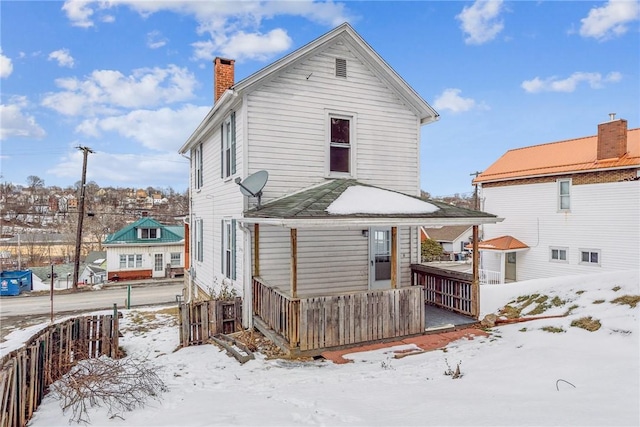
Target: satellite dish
253 184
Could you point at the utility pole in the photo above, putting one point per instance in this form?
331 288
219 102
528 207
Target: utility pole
76 267
475 192
475 283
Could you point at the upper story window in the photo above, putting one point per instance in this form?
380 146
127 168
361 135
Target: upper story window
148 233
564 194
228 146
341 145
590 256
198 166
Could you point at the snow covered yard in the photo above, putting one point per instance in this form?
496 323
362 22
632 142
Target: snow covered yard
543 372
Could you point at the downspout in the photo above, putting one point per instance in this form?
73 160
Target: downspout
189 272
247 288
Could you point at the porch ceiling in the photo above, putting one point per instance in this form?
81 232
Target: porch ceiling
310 208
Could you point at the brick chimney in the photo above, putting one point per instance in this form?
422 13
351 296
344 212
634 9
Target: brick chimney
612 138
222 76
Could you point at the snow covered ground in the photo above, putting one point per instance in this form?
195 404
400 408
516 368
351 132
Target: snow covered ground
543 372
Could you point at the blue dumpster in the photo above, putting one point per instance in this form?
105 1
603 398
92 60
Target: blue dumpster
14 282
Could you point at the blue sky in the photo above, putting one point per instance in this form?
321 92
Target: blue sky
132 79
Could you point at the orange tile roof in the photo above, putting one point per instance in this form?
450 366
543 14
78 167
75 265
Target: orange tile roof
502 243
556 158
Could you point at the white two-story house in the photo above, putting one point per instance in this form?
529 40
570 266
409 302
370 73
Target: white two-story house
569 207
325 258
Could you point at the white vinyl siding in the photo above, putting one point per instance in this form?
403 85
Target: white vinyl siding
137 257
598 219
329 261
288 130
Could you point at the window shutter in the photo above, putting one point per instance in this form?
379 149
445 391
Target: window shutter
222 150
233 250
233 142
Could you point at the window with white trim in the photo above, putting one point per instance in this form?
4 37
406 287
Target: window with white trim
228 146
199 167
176 258
130 261
564 194
229 248
199 247
341 145
590 256
558 254
148 233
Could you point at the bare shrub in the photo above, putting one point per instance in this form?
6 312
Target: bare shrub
120 385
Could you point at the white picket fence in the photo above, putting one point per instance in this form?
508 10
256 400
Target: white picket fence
488 277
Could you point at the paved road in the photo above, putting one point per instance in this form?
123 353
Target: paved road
88 300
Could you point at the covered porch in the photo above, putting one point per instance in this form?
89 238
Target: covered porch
345 302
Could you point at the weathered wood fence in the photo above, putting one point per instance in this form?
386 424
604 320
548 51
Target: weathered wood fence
25 373
447 289
199 321
322 322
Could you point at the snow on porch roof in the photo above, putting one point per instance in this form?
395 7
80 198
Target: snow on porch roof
345 202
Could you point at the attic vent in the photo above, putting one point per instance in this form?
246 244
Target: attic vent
341 67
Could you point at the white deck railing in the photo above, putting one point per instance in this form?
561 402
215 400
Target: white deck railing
488 277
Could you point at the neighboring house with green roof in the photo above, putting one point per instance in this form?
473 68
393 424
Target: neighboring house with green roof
145 249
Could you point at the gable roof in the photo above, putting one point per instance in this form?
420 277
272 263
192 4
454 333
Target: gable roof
129 234
346 33
333 204
562 157
447 233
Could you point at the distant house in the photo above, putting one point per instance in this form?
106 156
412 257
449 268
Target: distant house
95 268
145 249
569 207
326 256
452 238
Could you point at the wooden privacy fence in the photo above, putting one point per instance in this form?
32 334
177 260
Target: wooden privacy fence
25 373
321 322
333 321
447 289
201 320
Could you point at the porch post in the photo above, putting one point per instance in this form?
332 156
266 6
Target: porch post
502 267
394 257
256 249
475 284
294 263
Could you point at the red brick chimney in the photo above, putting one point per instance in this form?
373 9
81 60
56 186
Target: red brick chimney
612 138
222 76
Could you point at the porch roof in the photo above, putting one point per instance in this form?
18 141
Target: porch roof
502 244
331 205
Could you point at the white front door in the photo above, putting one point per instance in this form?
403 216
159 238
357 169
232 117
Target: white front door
158 265
380 258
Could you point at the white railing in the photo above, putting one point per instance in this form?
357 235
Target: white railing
488 277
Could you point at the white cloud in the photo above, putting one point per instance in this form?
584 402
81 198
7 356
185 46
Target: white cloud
107 91
14 122
554 84
481 21
63 57
156 129
157 169
6 66
451 100
155 40
224 21
610 20
243 45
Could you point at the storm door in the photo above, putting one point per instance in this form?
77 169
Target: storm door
380 258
